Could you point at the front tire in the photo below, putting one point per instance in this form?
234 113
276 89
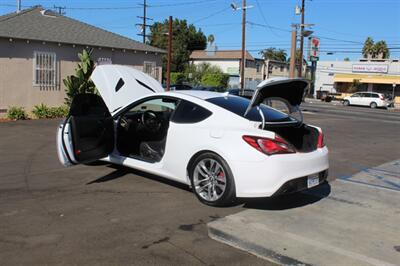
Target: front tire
373 105
346 103
212 180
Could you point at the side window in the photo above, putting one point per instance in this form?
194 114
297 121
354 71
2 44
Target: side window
368 95
188 113
374 95
156 105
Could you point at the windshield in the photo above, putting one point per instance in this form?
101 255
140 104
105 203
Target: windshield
238 105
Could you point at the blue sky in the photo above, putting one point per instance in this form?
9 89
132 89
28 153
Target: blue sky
342 25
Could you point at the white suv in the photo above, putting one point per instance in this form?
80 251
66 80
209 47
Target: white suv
371 99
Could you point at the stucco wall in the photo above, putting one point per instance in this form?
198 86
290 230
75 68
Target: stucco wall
16 70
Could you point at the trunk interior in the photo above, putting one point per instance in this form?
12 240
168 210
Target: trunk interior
304 138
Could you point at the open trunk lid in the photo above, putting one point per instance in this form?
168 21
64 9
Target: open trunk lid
119 85
290 89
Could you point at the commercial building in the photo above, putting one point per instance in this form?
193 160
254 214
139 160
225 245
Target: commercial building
381 76
39 48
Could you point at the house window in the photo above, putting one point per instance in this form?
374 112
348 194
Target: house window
150 68
44 68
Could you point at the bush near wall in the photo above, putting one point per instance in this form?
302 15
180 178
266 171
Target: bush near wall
43 111
16 113
177 78
215 80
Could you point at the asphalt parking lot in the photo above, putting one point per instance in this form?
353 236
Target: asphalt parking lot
102 214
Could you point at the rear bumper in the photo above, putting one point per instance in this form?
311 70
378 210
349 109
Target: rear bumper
266 178
299 184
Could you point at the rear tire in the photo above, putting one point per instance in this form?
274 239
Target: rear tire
212 180
373 105
346 103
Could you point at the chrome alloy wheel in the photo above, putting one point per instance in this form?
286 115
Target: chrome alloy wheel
209 179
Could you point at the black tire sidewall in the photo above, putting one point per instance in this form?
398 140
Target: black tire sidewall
229 195
346 103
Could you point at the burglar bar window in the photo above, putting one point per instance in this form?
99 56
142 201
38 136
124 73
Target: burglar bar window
44 69
150 68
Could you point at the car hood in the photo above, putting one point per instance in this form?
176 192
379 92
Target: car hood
119 85
290 89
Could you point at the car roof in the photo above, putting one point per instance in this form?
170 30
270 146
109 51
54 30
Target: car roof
201 94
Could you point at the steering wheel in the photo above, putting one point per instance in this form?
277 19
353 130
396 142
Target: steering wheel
150 121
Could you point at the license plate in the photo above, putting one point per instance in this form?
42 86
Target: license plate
312 180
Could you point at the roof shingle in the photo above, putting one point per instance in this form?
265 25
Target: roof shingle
32 24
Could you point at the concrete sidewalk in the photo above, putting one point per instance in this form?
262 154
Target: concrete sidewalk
354 221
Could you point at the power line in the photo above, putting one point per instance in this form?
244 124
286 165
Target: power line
265 20
211 15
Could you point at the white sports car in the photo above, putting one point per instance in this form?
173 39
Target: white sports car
223 146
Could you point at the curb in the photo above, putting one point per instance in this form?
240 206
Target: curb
251 248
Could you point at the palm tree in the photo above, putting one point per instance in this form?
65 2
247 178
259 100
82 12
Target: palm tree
368 50
381 50
274 54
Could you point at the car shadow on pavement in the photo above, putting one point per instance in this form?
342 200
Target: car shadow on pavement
121 171
289 201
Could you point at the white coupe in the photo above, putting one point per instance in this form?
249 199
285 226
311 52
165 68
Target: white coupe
223 146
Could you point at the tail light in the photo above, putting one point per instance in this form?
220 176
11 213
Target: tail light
269 146
321 139
381 97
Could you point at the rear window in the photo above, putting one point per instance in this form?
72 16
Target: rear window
238 105
188 113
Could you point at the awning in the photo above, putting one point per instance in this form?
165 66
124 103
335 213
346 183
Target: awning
365 78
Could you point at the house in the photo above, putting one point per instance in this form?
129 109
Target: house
281 69
39 48
229 62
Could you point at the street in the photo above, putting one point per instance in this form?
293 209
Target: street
102 214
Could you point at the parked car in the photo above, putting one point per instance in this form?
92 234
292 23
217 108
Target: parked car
246 93
371 99
209 88
223 146
178 87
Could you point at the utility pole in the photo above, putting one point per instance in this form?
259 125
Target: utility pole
144 24
60 9
169 53
243 61
293 52
18 6
301 39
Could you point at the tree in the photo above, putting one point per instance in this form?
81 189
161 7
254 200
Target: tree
195 73
185 39
274 54
377 50
346 59
381 50
210 38
368 49
80 82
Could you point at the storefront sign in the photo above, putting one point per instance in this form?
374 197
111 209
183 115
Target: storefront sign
313 49
364 68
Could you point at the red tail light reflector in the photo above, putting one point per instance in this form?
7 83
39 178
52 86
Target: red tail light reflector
269 146
321 140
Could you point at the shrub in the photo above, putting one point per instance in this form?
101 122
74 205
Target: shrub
59 112
215 79
42 111
177 78
16 113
